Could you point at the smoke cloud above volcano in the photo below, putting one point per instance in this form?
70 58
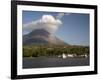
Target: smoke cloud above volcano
60 15
47 22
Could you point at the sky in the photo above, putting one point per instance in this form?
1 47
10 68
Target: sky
73 29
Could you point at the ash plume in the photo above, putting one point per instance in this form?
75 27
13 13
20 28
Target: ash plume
47 22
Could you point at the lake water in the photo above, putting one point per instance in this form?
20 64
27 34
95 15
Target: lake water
42 62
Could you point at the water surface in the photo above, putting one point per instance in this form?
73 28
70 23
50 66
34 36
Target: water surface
42 62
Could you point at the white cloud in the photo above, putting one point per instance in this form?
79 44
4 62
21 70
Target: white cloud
47 22
60 15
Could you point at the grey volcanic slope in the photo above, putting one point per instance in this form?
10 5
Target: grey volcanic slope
41 36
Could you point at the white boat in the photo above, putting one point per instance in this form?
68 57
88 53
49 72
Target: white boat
70 55
64 56
86 56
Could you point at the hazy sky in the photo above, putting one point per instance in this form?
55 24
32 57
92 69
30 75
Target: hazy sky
73 30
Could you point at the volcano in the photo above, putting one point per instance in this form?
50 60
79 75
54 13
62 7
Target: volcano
41 36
